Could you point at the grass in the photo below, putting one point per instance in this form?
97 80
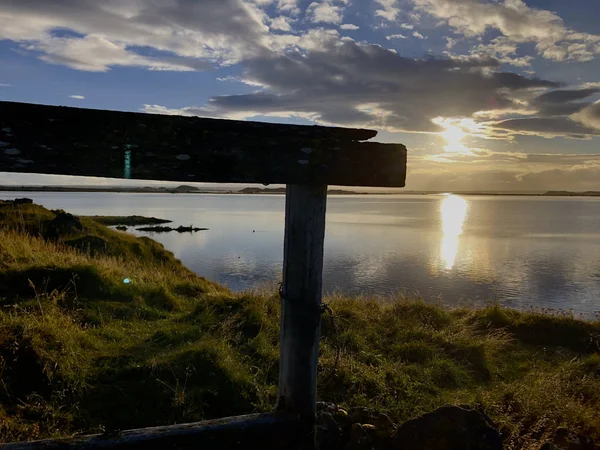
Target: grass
82 351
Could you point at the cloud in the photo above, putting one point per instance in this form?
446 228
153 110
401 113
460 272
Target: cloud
406 26
387 9
339 81
185 35
418 35
349 26
517 22
395 36
484 169
289 7
325 12
77 97
589 116
546 127
501 48
281 23
5 85
563 102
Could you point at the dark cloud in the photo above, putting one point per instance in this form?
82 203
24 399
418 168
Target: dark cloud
550 126
563 102
345 82
563 96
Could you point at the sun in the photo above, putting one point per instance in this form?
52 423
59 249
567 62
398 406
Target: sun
453 135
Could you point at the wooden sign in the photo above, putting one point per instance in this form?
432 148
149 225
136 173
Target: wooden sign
72 141
87 142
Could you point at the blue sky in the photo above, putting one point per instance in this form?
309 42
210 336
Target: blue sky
486 94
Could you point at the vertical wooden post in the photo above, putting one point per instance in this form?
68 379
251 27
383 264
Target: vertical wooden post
301 299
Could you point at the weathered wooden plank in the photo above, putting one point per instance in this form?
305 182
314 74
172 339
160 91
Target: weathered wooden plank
258 431
301 300
86 142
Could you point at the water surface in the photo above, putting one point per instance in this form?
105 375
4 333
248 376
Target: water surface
519 251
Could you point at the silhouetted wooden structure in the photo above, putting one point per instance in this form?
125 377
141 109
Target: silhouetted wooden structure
72 141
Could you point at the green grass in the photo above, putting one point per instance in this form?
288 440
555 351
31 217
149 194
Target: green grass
81 351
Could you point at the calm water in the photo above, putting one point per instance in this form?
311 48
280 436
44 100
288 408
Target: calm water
519 251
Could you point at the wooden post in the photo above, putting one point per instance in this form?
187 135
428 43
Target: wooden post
301 299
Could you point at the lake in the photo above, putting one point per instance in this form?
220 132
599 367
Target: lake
519 251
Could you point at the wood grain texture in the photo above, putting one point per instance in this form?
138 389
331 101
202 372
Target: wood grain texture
257 431
87 142
301 300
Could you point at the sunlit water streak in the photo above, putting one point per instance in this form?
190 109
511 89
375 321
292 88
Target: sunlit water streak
453 210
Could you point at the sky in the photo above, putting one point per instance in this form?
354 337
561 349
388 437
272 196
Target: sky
486 94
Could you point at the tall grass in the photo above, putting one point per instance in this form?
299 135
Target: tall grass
82 351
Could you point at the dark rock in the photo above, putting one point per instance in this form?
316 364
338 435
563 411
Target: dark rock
326 407
22 201
448 428
368 416
329 433
93 245
568 440
361 414
121 227
383 422
64 224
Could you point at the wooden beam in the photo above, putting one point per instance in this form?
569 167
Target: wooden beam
301 300
87 142
257 431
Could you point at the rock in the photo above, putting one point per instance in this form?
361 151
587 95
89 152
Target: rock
22 201
329 433
360 414
326 407
383 422
121 227
93 245
448 428
564 439
64 224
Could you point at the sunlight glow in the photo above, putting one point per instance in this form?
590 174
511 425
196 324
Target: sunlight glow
453 134
455 131
453 210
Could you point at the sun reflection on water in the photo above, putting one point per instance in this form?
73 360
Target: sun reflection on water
453 210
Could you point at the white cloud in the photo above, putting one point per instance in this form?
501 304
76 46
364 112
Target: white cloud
77 97
281 23
518 23
418 35
503 49
349 26
5 85
186 35
589 116
289 7
395 36
388 9
406 26
325 12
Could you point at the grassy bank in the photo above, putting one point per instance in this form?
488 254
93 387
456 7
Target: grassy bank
82 350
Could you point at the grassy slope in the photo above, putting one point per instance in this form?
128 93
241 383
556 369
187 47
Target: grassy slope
81 351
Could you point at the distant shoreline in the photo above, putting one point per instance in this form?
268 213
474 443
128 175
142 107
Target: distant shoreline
277 191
